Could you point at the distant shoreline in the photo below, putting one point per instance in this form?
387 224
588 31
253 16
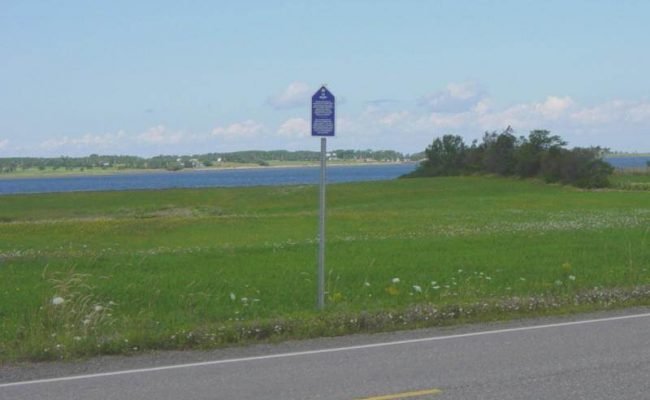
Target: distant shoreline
112 172
628 155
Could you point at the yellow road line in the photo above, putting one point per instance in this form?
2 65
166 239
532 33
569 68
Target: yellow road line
404 395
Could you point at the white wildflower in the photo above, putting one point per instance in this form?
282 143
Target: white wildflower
417 288
366 284
98 308
57 300
232 296
395 280
572 277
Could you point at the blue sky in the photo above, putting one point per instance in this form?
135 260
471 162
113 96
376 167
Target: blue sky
158 77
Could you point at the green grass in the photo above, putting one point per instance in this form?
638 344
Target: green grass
185 268
632 179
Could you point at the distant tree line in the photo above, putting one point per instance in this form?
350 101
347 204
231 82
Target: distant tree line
540 155
372 155
175 162
12 164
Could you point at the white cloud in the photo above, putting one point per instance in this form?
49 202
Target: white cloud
239 130
482 107
456 97
3 143
639 113
158 138
516 115
447 120
297 94
90 141
380 102
554 107
614 112
294 128
346 125
617 124
551 111
394 118
620 125
600 114
160 135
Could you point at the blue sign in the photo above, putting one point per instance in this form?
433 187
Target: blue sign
322 113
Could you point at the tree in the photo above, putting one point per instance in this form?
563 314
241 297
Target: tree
539 155
583 167
530 151
499 152
474 158
445 156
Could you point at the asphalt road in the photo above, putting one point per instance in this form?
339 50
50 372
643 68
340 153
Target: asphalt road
597 356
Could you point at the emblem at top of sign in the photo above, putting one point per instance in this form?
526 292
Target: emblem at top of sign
323 93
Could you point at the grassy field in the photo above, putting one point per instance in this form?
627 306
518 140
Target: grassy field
634 179
93 273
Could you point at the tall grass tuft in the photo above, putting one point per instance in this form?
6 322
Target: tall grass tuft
71 319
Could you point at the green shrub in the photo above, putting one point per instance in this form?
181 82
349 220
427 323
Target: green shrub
540 155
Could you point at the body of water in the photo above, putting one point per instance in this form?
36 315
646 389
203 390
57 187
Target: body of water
205 178
230 177
628 162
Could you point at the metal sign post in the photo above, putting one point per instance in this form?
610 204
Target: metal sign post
322 124
321 224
